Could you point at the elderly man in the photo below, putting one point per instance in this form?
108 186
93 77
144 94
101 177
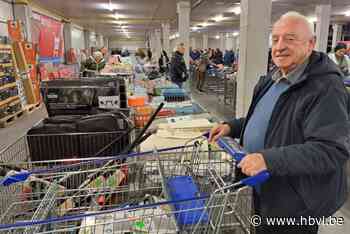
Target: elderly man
297 128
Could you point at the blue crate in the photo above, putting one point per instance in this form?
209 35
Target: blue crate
182 188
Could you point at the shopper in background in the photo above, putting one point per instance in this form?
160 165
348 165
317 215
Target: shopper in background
104 51
140 60
210 53
218 57
202 71
93 64
340 58
194 56
178 70
163 62
115 57
229 58
149 55
297 128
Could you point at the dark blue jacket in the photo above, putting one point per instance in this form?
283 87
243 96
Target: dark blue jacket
229 58
178 70
307 143
195 55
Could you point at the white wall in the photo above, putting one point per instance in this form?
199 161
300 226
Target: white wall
78 38
213 43
130 45
5 14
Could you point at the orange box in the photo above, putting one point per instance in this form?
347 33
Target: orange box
134 101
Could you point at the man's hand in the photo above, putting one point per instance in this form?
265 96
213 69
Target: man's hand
219 131
252 164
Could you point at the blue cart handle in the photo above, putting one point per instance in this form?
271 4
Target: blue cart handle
238 155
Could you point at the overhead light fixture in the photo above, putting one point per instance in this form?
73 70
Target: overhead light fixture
217 37
110 6
347 14
312 19
194 28
205 24
219 18
236 10
124 26
177 35
235 34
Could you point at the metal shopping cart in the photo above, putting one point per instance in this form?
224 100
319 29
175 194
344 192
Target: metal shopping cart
186 189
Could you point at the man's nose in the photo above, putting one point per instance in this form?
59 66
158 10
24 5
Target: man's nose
280 44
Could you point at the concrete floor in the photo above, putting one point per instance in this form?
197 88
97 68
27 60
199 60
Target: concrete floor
210 102
20 127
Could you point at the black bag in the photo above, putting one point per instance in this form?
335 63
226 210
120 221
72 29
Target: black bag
63 137
99 123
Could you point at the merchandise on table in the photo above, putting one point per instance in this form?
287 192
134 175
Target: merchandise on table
135 101
142 115
175 95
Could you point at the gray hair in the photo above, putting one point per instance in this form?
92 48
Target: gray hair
297 16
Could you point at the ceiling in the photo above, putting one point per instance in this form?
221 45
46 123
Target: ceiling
136 17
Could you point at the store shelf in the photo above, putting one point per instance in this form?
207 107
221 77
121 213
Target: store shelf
16 102
6 47
2 74
9 100
6 64
7 86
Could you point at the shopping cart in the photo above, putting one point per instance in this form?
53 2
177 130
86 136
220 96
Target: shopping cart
185 189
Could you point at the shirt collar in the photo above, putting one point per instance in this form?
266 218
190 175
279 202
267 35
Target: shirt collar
292 76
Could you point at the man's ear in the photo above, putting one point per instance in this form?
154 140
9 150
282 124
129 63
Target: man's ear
312 43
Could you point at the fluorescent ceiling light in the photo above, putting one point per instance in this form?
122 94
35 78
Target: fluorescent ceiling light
235 34
124 26
312 19
205 24
195 28
219 18
236 10
347 13
110 6
217 37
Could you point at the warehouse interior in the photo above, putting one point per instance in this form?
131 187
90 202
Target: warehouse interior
76 74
